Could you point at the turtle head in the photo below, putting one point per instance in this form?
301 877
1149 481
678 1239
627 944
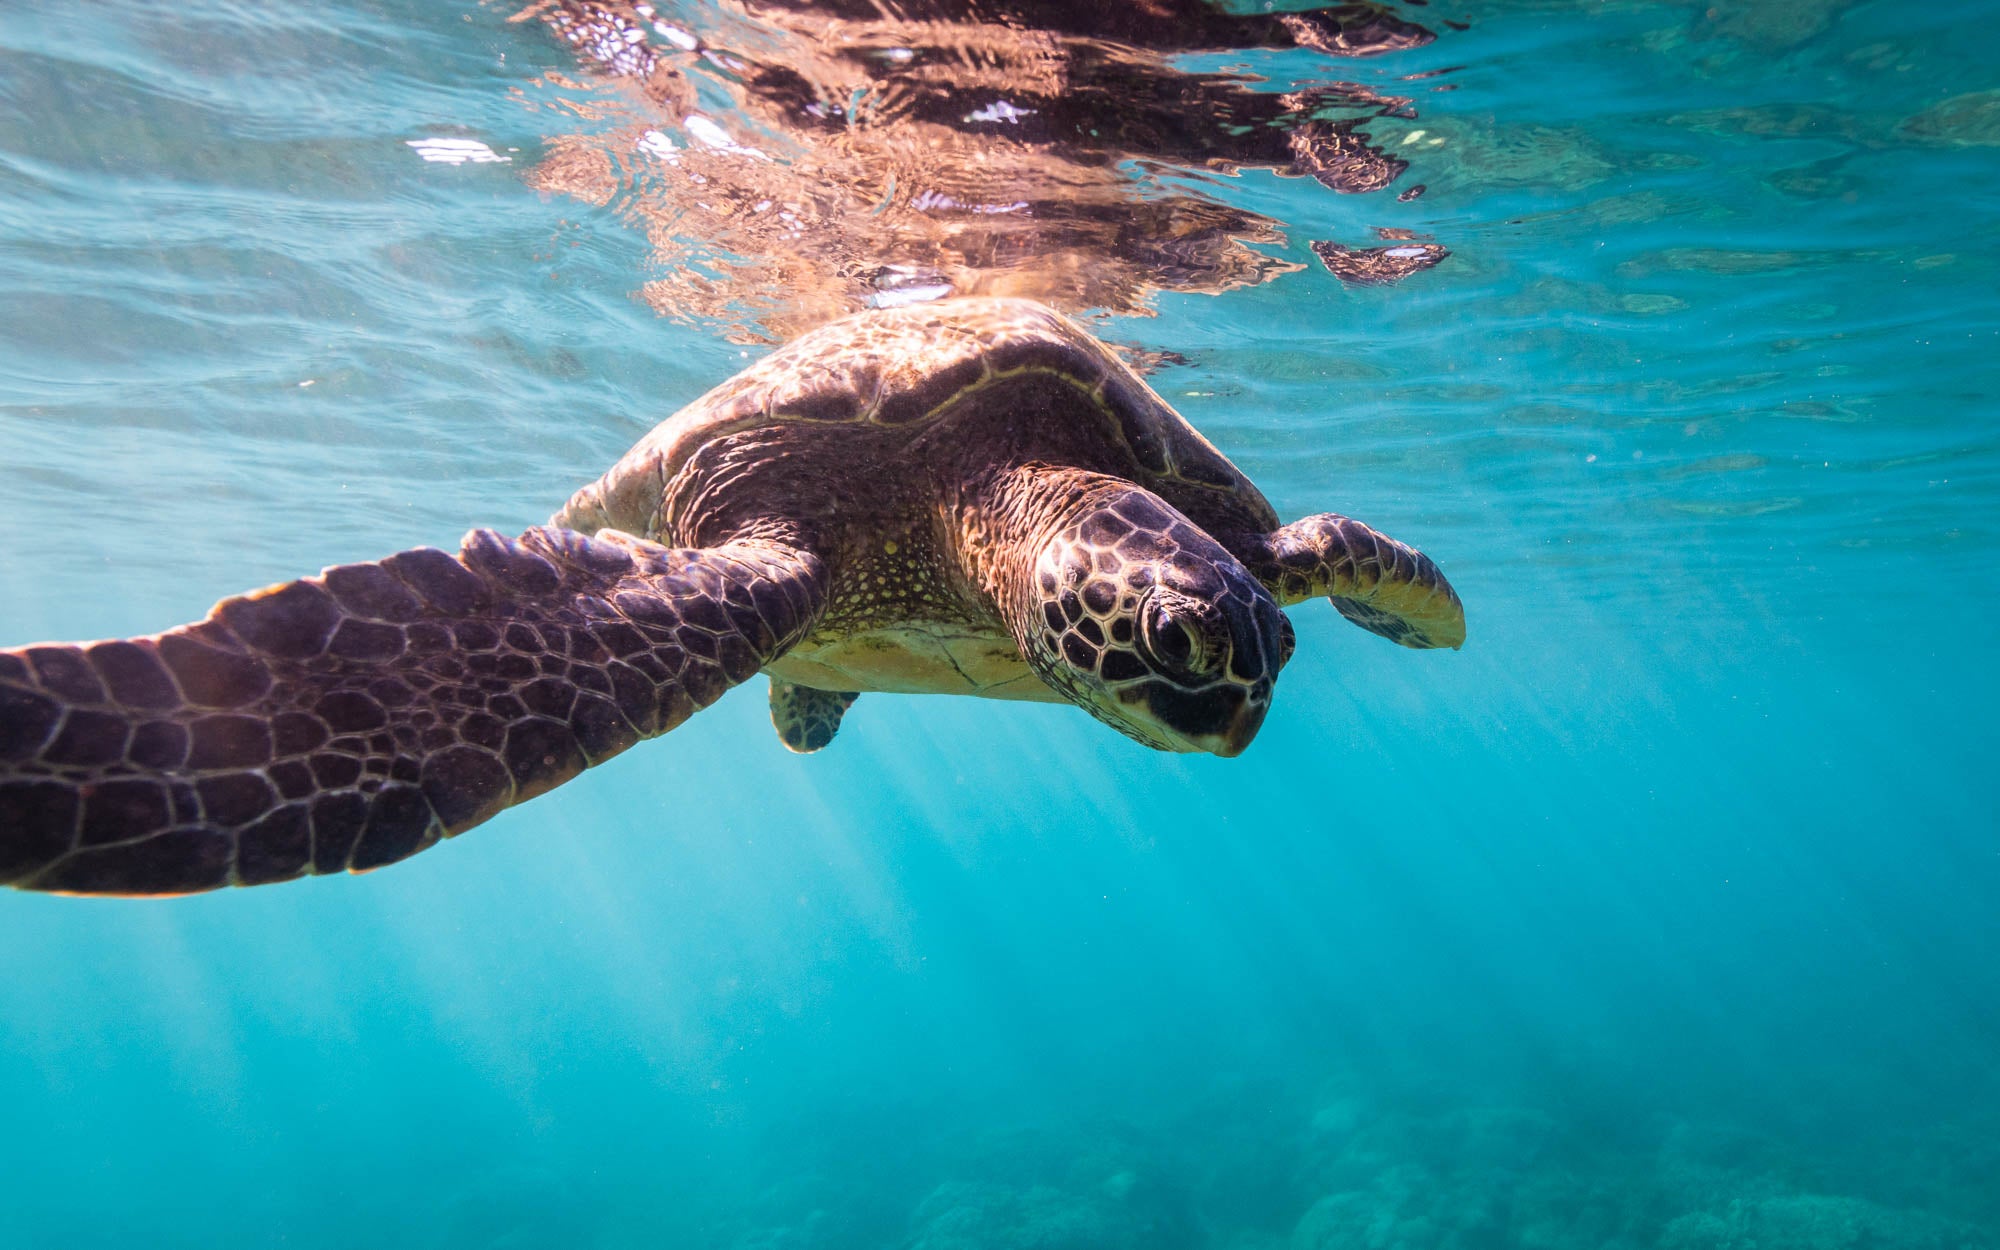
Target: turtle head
1142 619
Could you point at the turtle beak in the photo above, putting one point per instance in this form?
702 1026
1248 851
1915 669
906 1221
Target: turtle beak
1219 721
1243 726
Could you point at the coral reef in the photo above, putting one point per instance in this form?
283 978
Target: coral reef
1817 1222
1249 1167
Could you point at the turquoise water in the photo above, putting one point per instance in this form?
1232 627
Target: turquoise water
1663 915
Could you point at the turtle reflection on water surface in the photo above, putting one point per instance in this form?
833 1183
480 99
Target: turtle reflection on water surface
792 162
969 497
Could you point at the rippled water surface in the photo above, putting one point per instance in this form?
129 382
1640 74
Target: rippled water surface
1665 914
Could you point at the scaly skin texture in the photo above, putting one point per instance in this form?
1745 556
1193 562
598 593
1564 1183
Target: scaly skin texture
349 720
806 719
1126 606
1382 585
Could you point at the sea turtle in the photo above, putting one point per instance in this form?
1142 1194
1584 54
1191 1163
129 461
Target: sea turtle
969 497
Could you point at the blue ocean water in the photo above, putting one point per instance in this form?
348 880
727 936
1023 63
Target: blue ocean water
1665 914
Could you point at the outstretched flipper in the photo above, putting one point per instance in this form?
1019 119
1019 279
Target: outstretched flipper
348 720
1378 583
806 718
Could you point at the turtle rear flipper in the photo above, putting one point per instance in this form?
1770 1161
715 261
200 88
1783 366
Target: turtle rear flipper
807 719
349 720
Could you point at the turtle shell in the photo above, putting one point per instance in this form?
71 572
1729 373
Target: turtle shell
902 368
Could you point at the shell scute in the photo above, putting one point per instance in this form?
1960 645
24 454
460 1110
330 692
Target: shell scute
836 387
901 369
822 404
1138 415
929 391
1083 363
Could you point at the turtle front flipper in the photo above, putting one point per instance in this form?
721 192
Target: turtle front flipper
348 720
1378 583
806 718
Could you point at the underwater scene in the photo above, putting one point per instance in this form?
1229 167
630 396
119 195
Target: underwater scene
1662 914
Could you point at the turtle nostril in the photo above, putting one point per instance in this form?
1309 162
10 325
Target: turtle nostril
1246 663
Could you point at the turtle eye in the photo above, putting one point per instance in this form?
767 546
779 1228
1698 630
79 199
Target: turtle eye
1288 640
1173 644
